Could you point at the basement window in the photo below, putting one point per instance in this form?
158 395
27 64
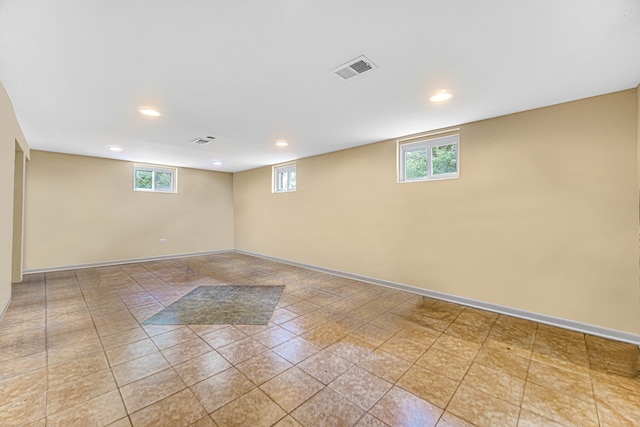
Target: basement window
284 178
154 179
429 158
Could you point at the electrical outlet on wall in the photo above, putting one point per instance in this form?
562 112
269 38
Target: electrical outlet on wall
163 240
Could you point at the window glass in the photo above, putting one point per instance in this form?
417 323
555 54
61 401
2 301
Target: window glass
415 163
444 159
432 158
144 179
154 179
284 178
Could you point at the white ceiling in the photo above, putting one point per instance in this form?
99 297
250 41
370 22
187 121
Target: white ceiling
251 72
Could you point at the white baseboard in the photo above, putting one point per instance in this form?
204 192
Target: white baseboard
123 261
523 314
5 308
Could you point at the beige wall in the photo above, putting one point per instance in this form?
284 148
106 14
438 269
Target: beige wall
12 144
19 175
543 217
82 210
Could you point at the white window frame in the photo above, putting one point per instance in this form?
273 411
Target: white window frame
284 168
154 170
427 142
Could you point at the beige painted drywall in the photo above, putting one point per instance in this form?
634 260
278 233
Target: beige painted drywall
543 218
19 172
83 210
11 136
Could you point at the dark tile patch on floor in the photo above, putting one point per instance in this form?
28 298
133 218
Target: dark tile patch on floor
221 305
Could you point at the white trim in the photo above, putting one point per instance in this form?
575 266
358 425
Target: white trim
4 310
427 144
515 312
155 169
286 168
429 134
124 261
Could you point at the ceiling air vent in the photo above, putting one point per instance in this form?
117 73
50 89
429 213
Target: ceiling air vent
203 141
354 67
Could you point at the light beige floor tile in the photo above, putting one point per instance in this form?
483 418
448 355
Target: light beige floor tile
173 337
449 420
23 398
254 409
71 333
123 338
529 419
101 410
291 388
131 351
202 367
352 349
22 365
385 365
401 408
360 387
136 369
616 405
370 421
263 367
273 336
296 350
186 351
287 421
153 330
69 352
371 334
122 422
475 317
428 385
325 335
151 389
87 310
559 407
76 392
483 409
559 379
180 409
456 345
404 348
72 370
503 359
495 382
451 365
282 315
325 366
222 388
222 337
241 350
204 422
328 409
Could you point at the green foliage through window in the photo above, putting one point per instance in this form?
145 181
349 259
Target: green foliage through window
415 164
435 158
154 179
445 159
144 179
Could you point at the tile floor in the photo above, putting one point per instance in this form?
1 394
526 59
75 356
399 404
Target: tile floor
221 305
337 352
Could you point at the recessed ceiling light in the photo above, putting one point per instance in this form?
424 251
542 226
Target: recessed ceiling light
149 112
114 148
282 143
441 96
217 163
